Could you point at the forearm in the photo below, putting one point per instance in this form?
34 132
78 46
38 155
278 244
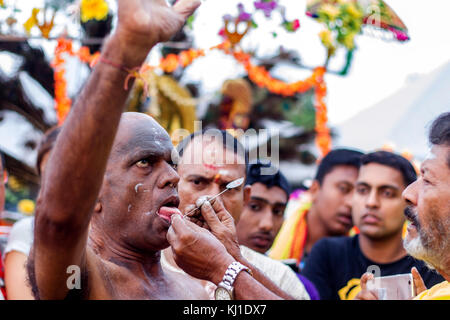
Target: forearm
266 282
248 288
78 161
16 284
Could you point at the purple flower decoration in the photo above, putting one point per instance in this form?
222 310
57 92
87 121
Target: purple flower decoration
243 16
266 6
227 17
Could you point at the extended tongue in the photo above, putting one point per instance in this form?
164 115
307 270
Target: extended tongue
167 212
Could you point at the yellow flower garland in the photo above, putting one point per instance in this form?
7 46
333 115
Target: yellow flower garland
93 9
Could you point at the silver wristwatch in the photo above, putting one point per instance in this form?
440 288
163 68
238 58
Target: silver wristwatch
224 290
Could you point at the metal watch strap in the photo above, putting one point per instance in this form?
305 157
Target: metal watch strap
232 272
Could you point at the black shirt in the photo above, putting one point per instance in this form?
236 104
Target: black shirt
335 266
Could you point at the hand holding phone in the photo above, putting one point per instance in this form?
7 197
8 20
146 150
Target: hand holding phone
396 287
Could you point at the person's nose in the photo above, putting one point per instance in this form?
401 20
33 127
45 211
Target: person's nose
410 193
348 200
266 221
169 177
372 200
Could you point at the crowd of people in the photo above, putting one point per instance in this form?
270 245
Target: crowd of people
111 220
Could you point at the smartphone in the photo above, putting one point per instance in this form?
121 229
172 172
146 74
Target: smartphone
396 287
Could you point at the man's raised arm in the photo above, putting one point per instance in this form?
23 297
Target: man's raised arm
77 164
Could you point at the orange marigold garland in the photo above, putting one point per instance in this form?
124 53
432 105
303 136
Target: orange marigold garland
62 101
172 61
323 138
257 74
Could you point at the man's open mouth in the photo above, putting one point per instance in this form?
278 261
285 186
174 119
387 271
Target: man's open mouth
410 216
169 208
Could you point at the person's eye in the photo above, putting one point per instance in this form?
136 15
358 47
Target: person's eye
255 207
344 189
426 181
362 190
278 212
388 193
197 182
144 163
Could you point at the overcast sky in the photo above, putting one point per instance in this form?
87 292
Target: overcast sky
379 67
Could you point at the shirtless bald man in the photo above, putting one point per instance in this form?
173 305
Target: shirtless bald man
108 199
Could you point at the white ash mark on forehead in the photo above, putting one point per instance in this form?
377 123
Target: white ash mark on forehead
223 172
136 187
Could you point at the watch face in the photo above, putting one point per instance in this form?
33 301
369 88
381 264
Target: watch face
222 294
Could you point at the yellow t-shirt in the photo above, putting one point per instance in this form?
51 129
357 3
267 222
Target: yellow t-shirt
441 291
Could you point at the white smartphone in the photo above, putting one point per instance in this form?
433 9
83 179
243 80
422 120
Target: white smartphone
397 287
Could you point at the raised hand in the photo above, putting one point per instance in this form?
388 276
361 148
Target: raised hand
143 23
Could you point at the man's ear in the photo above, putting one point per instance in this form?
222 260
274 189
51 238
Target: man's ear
314 190
247 193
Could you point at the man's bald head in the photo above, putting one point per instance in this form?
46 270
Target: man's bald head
139 131
139 179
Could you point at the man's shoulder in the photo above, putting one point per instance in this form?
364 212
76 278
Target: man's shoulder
257 258
279 273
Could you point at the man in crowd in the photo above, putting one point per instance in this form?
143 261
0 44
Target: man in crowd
107 205
329 211
262 216
428 210
337 264
20 238
428 200
209 160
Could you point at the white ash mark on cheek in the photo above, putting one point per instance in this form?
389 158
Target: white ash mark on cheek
148 213
136 187
129 207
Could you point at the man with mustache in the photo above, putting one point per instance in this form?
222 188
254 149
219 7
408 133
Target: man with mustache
209 160
108 200
337 264
428 212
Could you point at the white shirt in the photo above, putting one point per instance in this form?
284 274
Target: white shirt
21 236
279 273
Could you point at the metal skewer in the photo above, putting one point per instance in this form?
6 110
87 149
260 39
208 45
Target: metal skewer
233 184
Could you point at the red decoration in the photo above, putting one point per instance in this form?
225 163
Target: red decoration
257 74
